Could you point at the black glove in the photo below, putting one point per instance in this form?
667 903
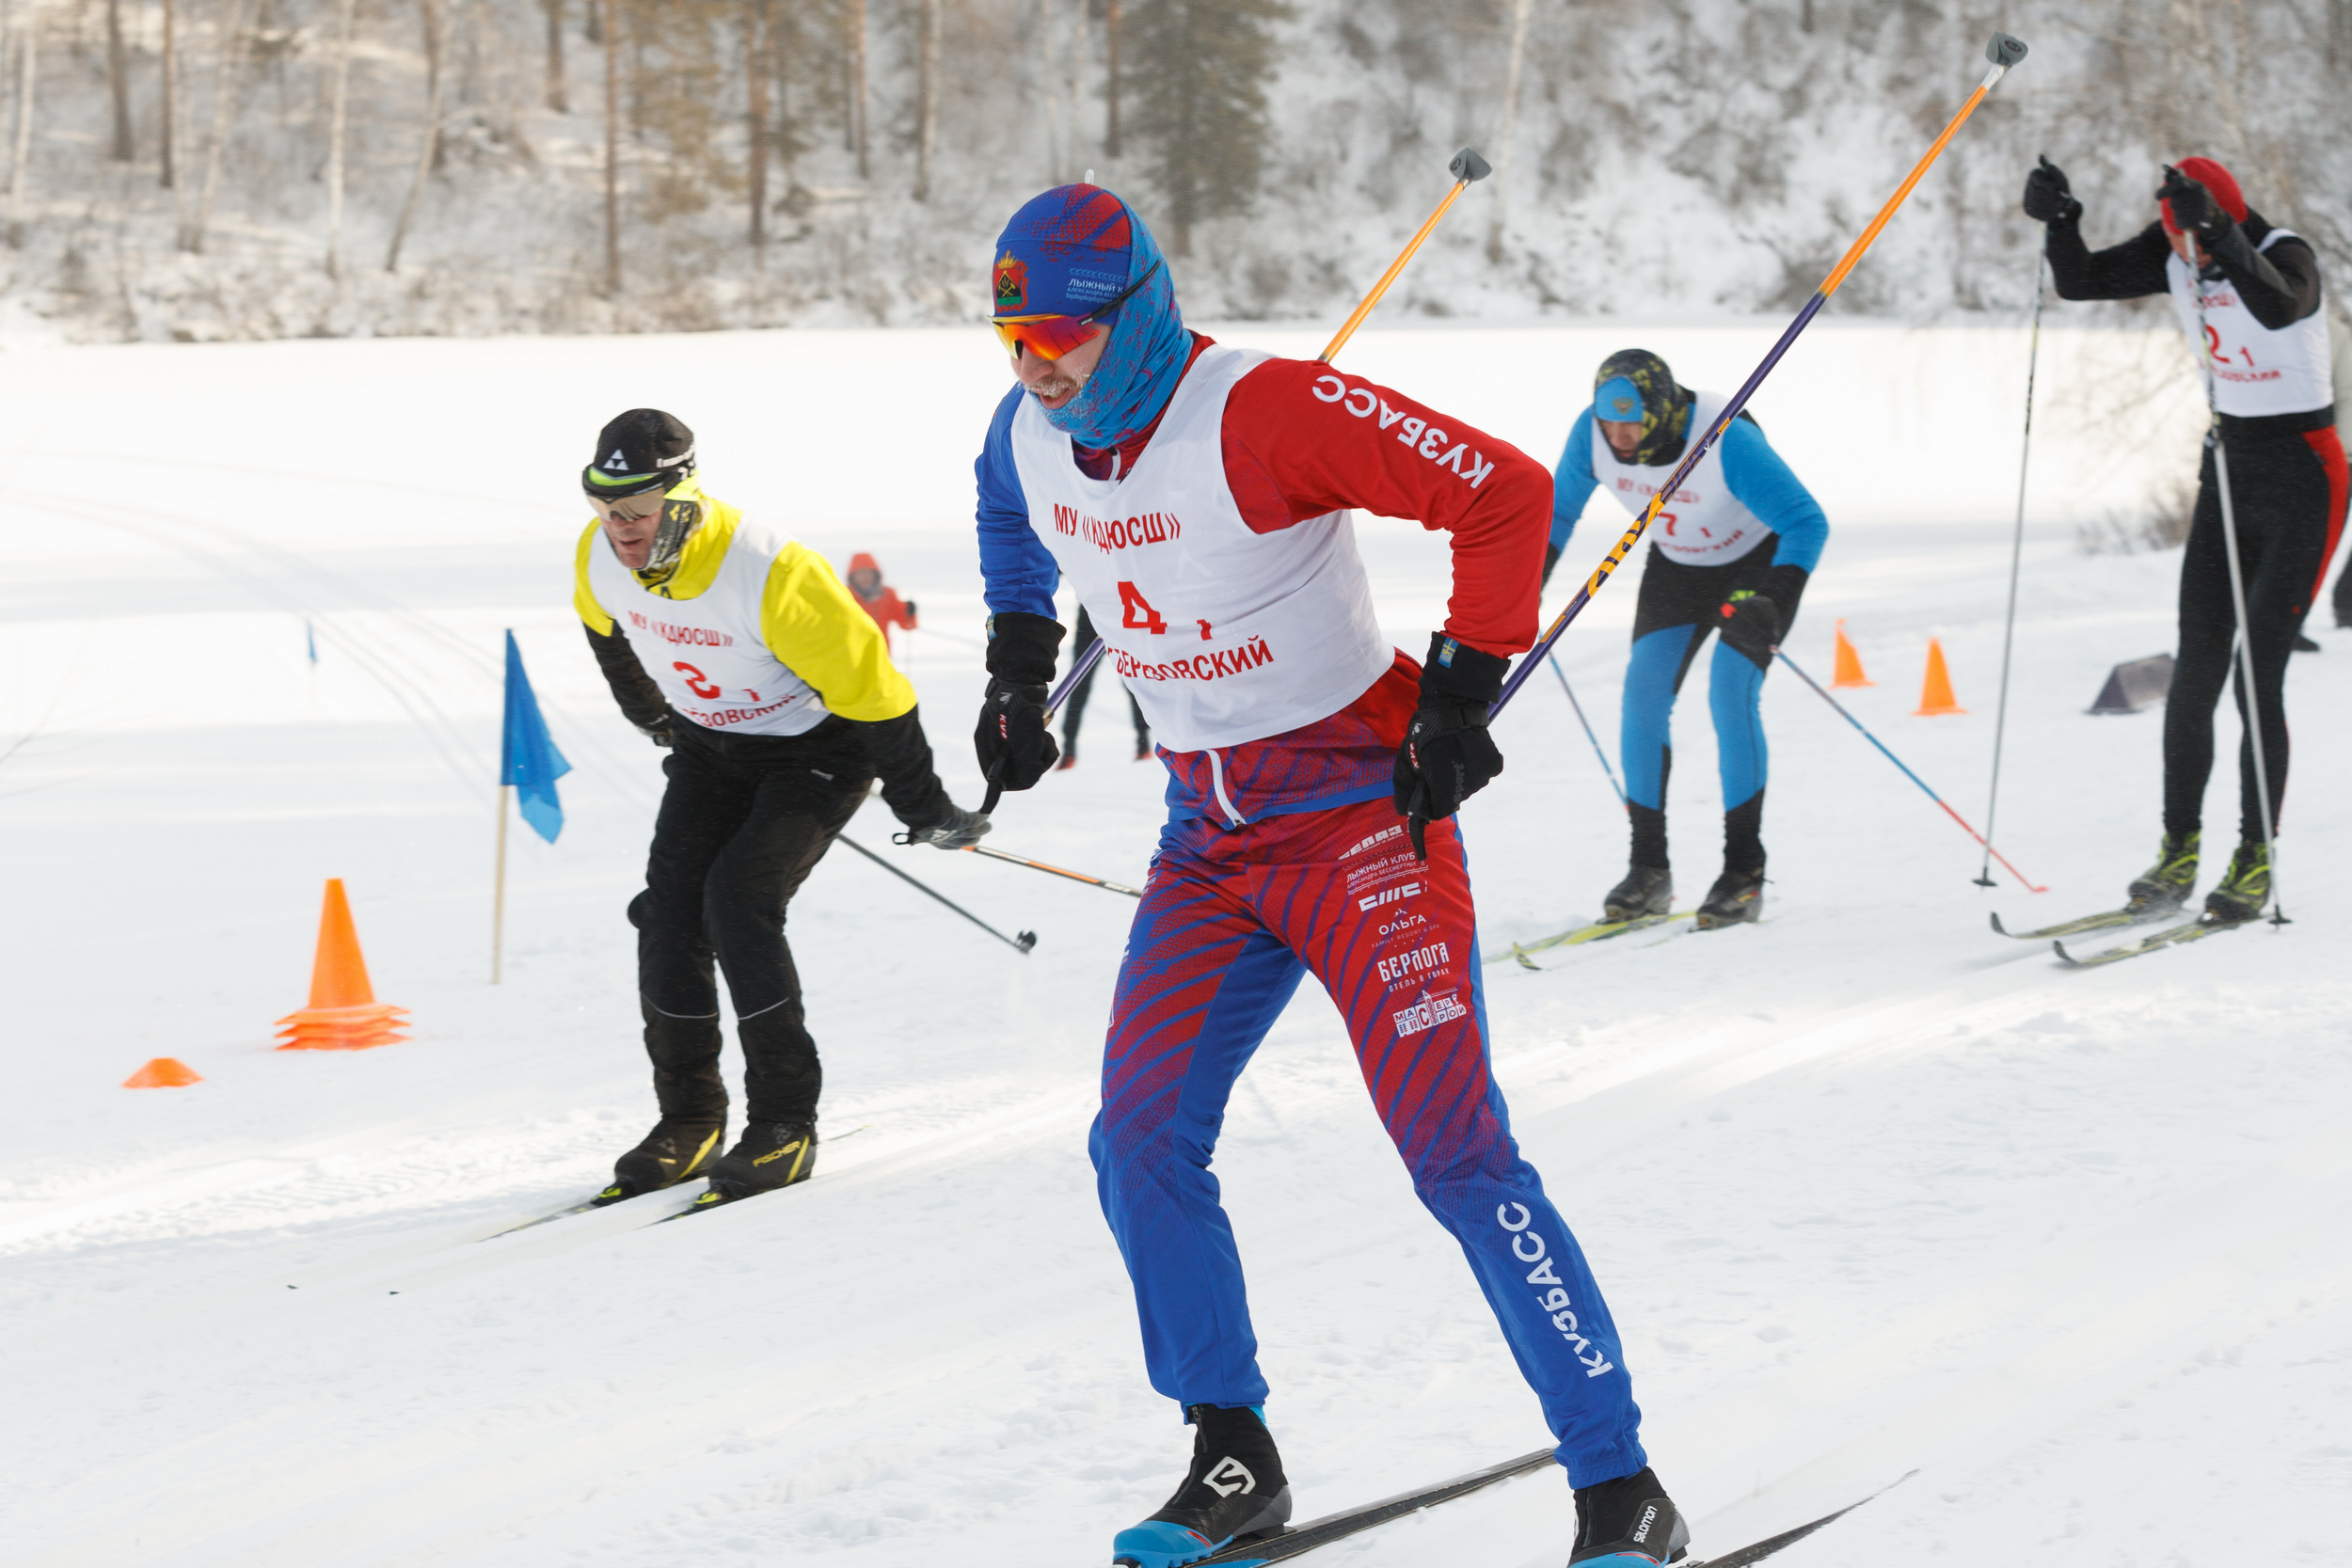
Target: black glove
1447 755
1754 621
2048 198
1012 743
659 731
909 606
1014 746
2194 209
1551 559
958 829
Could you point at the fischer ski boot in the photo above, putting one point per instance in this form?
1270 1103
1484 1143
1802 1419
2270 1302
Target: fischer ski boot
2166 885
1646 890
770 1154
1628 1522
2245 888
1234 1491
677 1148
1737 897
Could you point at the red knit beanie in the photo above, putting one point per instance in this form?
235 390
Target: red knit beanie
2218 181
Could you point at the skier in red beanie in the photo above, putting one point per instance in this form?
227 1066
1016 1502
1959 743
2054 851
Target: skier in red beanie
2249 296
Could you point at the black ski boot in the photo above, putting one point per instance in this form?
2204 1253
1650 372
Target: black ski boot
1234 1491
1737 897
1646 890
1628 1522
2166 885
2245 888
677 1148
770 1154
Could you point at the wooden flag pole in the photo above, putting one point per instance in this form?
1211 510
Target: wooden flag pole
497 898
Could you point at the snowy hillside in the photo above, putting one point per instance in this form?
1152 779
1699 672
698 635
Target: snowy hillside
1710 156
1875 1193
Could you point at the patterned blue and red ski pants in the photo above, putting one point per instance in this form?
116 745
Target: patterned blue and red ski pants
1230 922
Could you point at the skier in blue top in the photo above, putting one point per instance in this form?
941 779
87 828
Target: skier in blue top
1730 551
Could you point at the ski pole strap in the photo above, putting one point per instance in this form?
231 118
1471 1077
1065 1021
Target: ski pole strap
1906 771
2004 52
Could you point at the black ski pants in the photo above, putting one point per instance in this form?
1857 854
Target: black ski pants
744 820
2287 497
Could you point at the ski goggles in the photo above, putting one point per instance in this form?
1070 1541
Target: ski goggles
1051 336
629 509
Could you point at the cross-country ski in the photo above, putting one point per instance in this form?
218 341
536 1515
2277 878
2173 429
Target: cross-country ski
1301 743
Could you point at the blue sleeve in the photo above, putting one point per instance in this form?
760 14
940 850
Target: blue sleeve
1760 482
1572 482
1017 572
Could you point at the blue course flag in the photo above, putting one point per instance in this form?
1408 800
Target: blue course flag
528 758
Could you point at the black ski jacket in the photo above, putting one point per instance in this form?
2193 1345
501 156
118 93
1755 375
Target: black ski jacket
2280 285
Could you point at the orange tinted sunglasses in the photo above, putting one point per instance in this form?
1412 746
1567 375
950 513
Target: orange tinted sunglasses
1049 337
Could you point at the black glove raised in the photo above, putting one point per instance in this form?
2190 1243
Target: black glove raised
1447 755
2193 208
2048 198
958 829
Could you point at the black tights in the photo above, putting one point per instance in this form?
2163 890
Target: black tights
2284 507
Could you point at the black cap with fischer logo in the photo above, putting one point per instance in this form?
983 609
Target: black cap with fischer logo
643 449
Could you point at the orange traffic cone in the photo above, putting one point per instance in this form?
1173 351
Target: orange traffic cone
343 1014
164 1072
1849 669
1936 695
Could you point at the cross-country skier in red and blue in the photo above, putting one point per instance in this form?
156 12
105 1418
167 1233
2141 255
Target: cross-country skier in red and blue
1199 500
1730 553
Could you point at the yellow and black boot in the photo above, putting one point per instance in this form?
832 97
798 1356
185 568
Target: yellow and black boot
2245 888
677 1148
2166 885
770 1154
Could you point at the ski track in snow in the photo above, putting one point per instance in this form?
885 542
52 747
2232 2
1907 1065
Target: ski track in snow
1870 1190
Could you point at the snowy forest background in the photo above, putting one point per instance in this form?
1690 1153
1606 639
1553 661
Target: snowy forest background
209 169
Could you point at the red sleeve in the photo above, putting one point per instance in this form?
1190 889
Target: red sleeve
1302 439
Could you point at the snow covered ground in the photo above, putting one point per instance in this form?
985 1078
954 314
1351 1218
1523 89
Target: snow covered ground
1873 1191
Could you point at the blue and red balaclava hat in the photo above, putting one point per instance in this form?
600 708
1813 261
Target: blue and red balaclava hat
1068 251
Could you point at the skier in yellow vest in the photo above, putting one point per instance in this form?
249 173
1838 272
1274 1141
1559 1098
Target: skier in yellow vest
737 649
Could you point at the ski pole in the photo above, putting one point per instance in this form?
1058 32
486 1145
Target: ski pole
1588 732
1027 939
1054 870
1468 168
2004 52
1907 772
2016 558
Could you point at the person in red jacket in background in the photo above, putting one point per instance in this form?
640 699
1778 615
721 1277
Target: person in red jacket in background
1199 500
866 585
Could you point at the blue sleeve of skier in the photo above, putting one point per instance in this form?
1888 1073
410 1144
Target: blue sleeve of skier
1572 485
1757 478
1017 571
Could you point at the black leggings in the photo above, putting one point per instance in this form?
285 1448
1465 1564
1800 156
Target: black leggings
735 840
1076 708
2288 507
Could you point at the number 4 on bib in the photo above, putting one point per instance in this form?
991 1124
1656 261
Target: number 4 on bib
1137 612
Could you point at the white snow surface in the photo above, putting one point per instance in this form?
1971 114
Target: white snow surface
1873 1193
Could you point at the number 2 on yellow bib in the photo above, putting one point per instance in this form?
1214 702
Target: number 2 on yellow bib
1137 614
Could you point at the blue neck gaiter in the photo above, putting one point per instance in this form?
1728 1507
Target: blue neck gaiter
1067 251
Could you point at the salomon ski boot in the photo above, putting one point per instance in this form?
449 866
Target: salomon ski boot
1646 890
678 1147
1737 897
2245 888
1234 1491
2166 885
770 1154
1628 1522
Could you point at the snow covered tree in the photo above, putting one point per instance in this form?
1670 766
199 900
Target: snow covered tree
1197 71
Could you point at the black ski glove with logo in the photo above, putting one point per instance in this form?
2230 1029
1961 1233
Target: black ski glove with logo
1014 747
1447 755
959 830
1754 621
2048 197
